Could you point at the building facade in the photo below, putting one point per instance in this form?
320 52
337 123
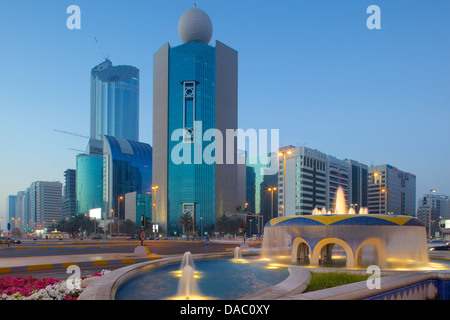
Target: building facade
127 167
11 205
69 201
391 191
358 187
114 101
137 205
261 192
309 179
440 210
27 222
194 90
89 182
45 203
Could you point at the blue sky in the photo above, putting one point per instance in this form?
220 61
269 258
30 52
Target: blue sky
309 68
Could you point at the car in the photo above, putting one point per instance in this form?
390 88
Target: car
438 245
15 241
8 240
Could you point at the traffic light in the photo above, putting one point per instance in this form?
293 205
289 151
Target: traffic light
242 228
145 221
9 226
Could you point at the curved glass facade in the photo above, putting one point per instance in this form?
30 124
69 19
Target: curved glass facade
127 167
114 101
191 187
89 183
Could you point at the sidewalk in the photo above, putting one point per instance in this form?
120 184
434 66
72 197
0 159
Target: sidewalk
8 265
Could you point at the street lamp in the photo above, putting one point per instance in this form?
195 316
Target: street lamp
429 215
118 214
283 154
154 188
272 189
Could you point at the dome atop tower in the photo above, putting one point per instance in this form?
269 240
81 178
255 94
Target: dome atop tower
195 25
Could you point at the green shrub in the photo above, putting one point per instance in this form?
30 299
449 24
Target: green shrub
326 280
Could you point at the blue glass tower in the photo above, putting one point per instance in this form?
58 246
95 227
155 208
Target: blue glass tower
114 101
127 167
195 90
89 182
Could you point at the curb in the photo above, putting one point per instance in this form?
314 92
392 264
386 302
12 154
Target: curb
80 264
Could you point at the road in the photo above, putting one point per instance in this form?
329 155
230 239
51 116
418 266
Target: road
34 248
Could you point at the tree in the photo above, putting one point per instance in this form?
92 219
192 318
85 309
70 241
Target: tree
79 224
187 222
223 223
128 227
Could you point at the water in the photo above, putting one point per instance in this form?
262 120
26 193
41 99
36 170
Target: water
216 279
237 253
187 285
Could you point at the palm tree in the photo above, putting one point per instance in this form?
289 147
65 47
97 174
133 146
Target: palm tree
187 222
223 223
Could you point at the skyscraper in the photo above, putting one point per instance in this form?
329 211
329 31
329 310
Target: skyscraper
359 184
194 90
114 101
46 203
309 179
89 182
391 191
127 167
11 205
69 200
440 210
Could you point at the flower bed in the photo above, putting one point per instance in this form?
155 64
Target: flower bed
29 288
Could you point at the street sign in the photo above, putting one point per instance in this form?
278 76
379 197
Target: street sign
142 235
207 241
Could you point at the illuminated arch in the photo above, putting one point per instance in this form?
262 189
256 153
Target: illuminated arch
298 252
380 246
322 243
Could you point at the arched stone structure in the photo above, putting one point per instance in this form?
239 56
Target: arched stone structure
380 247
400 237
300 250
329 241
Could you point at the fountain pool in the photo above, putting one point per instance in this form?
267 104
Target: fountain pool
219 278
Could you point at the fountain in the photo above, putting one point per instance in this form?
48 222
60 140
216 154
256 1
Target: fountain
237 253
340 206
386 240
187 285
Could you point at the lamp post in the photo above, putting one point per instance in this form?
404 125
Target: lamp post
118 214
429 215
154 188
111 214
272 189
283 154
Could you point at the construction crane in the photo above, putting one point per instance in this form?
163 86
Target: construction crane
101 49
71 133
77 150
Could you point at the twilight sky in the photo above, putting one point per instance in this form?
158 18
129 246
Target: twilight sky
309 68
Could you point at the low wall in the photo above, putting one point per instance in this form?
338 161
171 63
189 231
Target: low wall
419 285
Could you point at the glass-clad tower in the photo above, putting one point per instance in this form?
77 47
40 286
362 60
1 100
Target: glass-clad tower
127 167
114 101
89 182
195 89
